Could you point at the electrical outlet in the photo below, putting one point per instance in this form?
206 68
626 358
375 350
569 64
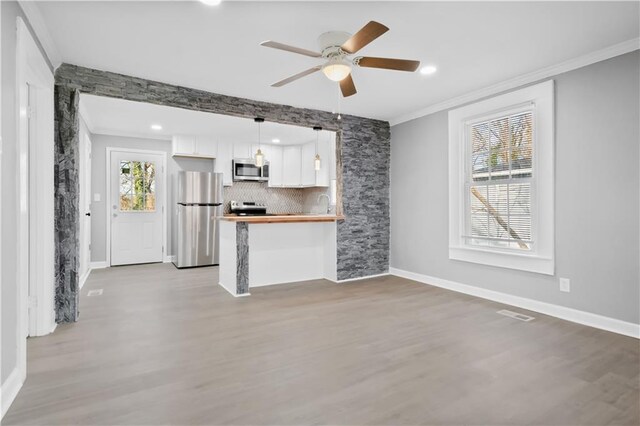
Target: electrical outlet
565 285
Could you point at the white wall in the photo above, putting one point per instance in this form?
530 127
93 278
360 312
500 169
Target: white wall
10 11
100 143
597 197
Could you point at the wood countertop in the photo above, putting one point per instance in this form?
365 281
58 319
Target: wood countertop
287 218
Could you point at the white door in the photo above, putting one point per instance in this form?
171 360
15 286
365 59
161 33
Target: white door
85 204
137 202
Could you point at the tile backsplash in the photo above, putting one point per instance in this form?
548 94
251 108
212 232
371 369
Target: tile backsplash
278 200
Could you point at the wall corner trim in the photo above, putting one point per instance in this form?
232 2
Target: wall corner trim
562 312
10 388
541 74
34 16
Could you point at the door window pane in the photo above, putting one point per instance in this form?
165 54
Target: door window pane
137 186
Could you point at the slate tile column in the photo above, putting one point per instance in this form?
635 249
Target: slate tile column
66 203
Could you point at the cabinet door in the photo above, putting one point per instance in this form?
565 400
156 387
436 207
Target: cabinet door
242 150
184 145
274 157
291 173
307 168
206 147
223 162
326 159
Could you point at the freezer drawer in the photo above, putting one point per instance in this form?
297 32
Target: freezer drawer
198 239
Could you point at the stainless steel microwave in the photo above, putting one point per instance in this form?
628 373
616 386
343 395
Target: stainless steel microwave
246 169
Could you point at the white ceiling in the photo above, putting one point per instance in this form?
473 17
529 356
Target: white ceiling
108 116
473 44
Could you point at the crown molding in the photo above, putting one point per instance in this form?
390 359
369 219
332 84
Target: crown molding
541 74
32 12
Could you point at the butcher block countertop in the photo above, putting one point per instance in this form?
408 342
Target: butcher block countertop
286 218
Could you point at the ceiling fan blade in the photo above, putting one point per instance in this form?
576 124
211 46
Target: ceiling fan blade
387 63
366 35
297 76
347 87
276 45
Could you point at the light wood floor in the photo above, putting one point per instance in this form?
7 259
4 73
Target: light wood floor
163 346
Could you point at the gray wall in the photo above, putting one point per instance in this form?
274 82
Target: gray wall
597 196
99 145
10 11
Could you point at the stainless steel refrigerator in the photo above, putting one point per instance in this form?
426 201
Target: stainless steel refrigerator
199 209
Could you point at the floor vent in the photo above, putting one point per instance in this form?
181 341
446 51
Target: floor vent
515 315
95 292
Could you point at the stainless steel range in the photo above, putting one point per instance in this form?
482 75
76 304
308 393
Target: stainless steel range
248 208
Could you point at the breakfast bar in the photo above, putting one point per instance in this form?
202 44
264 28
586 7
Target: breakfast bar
276 249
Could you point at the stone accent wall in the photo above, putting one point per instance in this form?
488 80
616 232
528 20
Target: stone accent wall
363 179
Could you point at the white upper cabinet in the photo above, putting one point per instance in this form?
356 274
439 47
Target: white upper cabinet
291 166
307 166
223 162
274 157
323 176
242 150
194 146
206 146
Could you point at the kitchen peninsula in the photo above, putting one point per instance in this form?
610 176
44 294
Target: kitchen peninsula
264 250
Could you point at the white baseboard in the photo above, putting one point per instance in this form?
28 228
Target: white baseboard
84 277
360 278
9 390
168 259
234 294
99 265
562 312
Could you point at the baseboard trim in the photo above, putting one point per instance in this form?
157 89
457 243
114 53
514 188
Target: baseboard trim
562 312
233 294
9 390
99 265
168 259
348 280
84 277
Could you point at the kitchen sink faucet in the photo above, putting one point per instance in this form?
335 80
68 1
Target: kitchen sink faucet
327 209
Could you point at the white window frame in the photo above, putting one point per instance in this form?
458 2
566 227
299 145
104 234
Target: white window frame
540 258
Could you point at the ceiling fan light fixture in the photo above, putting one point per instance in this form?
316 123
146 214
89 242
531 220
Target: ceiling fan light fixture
336 69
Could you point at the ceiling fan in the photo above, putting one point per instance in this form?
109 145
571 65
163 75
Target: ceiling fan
337 47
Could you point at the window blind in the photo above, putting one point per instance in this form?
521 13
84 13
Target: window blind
499 212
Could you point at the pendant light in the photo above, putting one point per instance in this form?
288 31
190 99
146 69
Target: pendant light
259 154
316 162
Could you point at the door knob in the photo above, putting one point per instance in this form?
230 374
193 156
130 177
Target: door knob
88 214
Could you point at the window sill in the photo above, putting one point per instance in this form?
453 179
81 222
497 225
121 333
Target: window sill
521 262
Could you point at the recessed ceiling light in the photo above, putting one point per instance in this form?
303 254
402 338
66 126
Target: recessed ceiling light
211 2
275 140
428 70
156 127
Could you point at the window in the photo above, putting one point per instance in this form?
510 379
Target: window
501 180
137 186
